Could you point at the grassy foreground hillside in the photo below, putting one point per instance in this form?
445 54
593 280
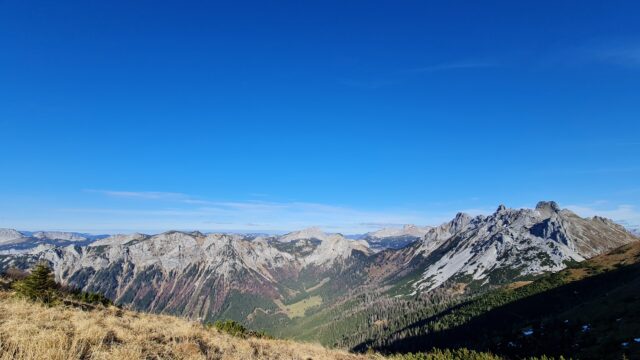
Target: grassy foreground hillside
30 330
40 319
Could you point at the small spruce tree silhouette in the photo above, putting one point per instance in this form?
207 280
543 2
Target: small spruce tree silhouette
39 285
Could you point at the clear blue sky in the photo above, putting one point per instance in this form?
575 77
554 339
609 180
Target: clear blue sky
151 115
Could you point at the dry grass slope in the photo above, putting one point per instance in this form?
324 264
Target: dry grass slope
33 331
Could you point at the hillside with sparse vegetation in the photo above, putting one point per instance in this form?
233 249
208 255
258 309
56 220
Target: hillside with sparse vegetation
591 310
41 320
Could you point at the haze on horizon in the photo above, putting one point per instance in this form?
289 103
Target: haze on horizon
352 116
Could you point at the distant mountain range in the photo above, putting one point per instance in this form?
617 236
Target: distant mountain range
13 241
318 286
395 238
386 238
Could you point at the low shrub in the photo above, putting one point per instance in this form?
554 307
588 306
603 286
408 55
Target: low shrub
234 328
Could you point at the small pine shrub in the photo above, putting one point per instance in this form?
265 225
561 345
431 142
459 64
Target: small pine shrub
231 327
447 354
234 328
38 286
459 354
91 298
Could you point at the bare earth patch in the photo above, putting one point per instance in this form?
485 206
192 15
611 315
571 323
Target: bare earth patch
298 309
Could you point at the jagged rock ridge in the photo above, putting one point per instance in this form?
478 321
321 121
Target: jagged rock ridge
518 241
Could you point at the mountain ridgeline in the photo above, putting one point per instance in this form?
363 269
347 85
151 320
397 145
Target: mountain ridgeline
312 285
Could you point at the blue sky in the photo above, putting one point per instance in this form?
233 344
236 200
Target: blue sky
351 115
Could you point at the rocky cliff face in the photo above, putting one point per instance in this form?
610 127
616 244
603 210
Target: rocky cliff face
513 243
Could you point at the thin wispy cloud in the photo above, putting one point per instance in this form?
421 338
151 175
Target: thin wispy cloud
159 211
371 84
155 211
149 195
627 55
382 225
603 170
461 65
624 213
389 78
612 52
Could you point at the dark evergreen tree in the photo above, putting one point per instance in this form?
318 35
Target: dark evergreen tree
39 285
